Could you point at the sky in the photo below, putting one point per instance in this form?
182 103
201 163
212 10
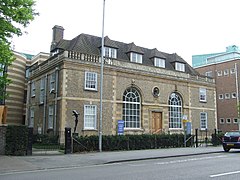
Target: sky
185 27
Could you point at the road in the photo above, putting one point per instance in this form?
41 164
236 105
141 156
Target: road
211 166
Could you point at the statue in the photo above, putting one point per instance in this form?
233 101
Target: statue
75 113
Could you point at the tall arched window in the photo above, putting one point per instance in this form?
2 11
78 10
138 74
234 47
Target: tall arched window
175 111
131 108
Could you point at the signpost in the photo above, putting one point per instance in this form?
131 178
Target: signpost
120 127
185 120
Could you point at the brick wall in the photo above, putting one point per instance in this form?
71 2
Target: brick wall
3 130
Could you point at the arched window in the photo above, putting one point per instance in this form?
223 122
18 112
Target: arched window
131 108
175 111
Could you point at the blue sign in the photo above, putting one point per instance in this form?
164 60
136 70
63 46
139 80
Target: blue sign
189 127
120 127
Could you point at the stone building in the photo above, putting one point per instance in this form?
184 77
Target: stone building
224 68
150 90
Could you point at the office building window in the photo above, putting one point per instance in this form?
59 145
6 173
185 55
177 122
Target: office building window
91 81
227 96
110 52
159 62
219 73
209 74
135 57
234 95
202 94
220 96
52 82
226 72
235 120
180 66
203 120
31 119
221 121
175 110
50 117
90 117
228 120
131 108
33 89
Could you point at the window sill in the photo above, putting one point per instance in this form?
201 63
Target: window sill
89 129
94 90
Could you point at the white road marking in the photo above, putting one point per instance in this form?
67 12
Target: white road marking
224 174
187 160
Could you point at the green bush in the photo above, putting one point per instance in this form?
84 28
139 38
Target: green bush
45 139
129 142
16 140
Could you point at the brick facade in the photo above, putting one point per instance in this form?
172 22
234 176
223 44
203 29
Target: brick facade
226 84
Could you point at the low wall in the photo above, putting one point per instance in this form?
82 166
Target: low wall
3 130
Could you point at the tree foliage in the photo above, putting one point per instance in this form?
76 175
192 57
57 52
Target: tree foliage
15 15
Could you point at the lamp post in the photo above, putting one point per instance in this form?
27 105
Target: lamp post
101 82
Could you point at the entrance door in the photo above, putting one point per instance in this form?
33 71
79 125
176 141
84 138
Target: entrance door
156 122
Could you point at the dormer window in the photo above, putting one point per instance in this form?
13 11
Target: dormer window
135 57
159 62
180 66
110 52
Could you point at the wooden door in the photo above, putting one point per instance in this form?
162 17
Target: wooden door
156 122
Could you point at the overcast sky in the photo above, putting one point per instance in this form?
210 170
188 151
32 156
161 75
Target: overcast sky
185 27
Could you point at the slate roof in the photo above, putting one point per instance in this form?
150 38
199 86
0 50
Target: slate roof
90 44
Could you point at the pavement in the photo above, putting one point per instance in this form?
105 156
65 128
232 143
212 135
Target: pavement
54 160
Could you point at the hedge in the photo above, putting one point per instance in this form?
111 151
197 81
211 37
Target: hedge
16 140
129 142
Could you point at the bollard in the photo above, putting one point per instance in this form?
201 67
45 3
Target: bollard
30 141
196 134
68 141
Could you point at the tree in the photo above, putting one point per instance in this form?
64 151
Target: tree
15 15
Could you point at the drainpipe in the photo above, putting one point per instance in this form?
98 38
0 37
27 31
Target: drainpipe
56 96
237 94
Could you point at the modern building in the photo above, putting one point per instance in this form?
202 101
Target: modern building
224 67
17 90
150 90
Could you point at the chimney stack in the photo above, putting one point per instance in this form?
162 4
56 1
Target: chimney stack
57 35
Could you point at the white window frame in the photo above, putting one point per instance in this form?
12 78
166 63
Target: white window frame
31 118
232 71
90 81
136 57
52 82
227 95
203 121
226 72
131 109
110 52
219 73
202 94
50 116
234 95
228 120
221 121
90 117
220 96
180 66
175 111
33 89
159 62
235 120
209 74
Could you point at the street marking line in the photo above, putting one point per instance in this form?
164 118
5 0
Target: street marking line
224 174
192 159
